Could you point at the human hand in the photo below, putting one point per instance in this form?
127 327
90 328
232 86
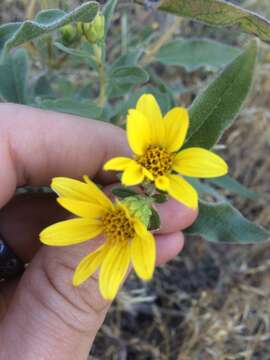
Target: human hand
42 316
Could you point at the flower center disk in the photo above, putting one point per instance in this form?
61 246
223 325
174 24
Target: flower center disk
117 226
156 160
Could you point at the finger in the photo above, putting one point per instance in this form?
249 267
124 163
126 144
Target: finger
168 246
57 313
23 218
73 146
174 216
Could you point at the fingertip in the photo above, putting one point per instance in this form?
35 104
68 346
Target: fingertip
168 246
175 216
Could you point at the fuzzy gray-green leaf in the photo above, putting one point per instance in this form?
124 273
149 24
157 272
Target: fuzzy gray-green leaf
108 11
228 183
84 108
15 34
13 77
196 53
122 79
214 110
222 223
218 13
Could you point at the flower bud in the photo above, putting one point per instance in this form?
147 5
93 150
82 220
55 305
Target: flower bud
95 30
69 34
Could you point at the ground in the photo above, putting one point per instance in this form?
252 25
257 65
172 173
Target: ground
212 301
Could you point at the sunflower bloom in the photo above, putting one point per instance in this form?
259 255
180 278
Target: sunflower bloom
127 240
155 141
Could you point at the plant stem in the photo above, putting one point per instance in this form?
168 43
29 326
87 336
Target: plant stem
160 42
98 52
44 4
30 10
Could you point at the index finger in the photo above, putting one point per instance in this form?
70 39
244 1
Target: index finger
36 145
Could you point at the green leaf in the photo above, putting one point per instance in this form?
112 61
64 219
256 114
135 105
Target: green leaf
222 223
122 79
218 13
48 20
123 192
193 54
154 223
214 110
122 107
205 189
130 58
13 77
108 11
228 183
85 52
71 51
84 108
42 87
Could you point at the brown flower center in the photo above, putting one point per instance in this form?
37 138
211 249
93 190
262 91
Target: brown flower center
117 226
157 160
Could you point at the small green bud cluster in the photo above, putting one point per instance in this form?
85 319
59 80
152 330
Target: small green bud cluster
95 30
71 34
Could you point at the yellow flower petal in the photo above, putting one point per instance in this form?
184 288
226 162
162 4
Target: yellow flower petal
118 164
176 123
148 106
70 232
98 194
78 190
133 175
89 265
82 208
138 132
113 270
148 174
143 252
200 163
162 183
182 191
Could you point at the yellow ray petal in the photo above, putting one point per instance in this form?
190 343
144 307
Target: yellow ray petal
148 174
133 175
138 132
176 123
89 265
148 106
182 191
101 198
118 163
200 163
162 183
70 232
82 208
78 190
113 270
143 252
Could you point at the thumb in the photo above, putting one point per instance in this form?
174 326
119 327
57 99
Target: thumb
48 317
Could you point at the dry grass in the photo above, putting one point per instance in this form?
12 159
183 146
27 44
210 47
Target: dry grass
212 301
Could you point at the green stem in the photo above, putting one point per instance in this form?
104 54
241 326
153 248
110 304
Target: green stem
98 51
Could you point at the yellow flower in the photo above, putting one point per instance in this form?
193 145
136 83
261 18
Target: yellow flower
126 237
155 142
